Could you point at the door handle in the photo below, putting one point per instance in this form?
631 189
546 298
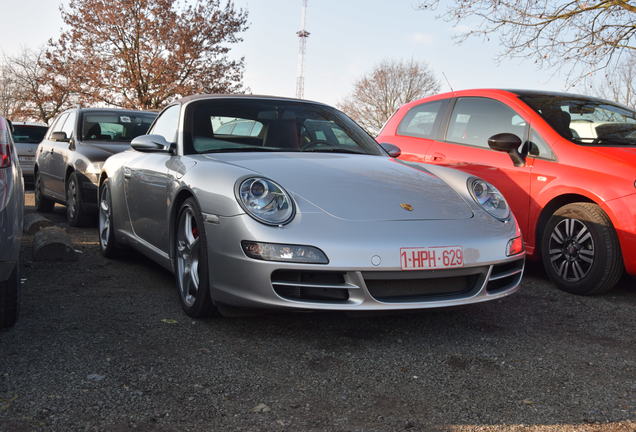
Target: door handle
437 157
127 173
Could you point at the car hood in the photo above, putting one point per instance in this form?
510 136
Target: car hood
99 151
625 155
357 187
107 146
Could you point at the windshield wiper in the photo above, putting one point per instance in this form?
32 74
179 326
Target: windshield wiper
603 141
332 150
243 149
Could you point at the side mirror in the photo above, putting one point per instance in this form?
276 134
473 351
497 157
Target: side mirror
59 136
151 143
393 150
509 143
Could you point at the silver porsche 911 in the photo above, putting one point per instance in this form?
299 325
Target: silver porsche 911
264 202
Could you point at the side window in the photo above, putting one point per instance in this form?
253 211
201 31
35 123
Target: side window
59 122
474 120
236 126
69 124
167 124
538 147
420 120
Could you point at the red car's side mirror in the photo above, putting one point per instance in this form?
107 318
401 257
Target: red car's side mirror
509 143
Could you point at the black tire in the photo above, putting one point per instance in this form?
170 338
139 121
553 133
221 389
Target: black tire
580 250
76 213
10 299
196 303
42 203
108 244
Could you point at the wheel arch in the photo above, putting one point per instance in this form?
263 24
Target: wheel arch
69 170
102 177
178 200
548 210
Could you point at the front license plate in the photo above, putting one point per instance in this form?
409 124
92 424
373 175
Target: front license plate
429 258
26 158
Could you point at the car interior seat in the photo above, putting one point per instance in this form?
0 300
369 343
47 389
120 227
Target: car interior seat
559 120
283 134
94 132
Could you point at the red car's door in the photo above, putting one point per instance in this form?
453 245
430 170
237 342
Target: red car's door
465 146
416 131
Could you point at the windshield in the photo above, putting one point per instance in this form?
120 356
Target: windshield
115 126
28 134
586 121
219 125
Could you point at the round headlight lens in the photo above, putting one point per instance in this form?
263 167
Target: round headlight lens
489 198
265 201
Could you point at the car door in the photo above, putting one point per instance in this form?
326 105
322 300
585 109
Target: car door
146 182
418 129
45 156
59 156
464 146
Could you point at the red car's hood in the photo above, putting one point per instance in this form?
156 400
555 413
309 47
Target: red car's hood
626 155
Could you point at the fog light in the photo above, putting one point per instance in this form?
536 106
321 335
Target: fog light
284 252
515 246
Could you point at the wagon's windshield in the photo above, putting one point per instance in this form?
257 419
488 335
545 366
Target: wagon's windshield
261 125
115 126
586 121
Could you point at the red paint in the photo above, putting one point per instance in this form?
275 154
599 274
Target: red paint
603 175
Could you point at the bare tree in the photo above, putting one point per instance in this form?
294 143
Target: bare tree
618 85
391 84
9 102
38 94
143 53
585 36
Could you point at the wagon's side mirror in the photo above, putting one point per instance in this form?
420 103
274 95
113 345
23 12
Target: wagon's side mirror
509 143
393 150
151 143
59 136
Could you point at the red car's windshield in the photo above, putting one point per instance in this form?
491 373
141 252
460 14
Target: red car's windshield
586 121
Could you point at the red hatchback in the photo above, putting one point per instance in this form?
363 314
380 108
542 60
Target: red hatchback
566 164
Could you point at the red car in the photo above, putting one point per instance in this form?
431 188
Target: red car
566 164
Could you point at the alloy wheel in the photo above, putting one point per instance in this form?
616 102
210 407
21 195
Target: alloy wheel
187 250
105 216
571 249
37 191
71 199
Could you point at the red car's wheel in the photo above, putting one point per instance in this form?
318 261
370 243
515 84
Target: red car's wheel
580 250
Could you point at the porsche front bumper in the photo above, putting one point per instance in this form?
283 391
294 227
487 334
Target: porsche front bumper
354 280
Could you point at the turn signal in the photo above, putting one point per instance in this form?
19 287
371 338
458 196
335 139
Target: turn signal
284 252
515 246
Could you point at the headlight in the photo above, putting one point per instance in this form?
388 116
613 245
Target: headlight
489 198
265 201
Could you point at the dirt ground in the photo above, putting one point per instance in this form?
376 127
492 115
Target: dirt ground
104 345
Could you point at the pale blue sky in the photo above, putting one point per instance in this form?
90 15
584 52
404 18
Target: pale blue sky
348 37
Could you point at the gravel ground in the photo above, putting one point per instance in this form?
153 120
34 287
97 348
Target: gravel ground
103 345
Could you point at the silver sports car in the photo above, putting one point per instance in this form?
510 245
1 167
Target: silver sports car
265 202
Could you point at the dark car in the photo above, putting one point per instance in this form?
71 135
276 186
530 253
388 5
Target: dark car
11 211
69 159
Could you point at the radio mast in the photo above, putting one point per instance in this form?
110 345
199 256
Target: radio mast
302 34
